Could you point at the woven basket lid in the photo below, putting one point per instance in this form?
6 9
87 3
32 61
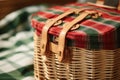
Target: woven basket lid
100 33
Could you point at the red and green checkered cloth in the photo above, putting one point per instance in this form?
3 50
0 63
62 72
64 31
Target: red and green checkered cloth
95 34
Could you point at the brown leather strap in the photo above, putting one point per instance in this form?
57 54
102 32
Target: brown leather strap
101 3
49 24
67 27
119 5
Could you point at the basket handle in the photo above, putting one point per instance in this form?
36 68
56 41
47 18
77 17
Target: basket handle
101 3
119 5
52 22
67 27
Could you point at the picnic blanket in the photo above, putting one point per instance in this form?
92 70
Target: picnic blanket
16 45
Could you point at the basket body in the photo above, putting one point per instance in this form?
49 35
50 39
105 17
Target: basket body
85 65
94 48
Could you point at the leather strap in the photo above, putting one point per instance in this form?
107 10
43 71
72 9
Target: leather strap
119 5
49 24
67 27
101 3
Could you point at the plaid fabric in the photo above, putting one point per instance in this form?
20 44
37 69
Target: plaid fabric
16 45
101 33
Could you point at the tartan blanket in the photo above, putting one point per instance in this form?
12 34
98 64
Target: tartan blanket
100 33
16 45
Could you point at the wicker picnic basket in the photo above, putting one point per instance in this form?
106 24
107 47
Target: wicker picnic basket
77 42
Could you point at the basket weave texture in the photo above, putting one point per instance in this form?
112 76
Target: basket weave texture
94 48
85 65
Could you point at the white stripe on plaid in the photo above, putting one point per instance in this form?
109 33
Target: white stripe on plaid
28 78
16 45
